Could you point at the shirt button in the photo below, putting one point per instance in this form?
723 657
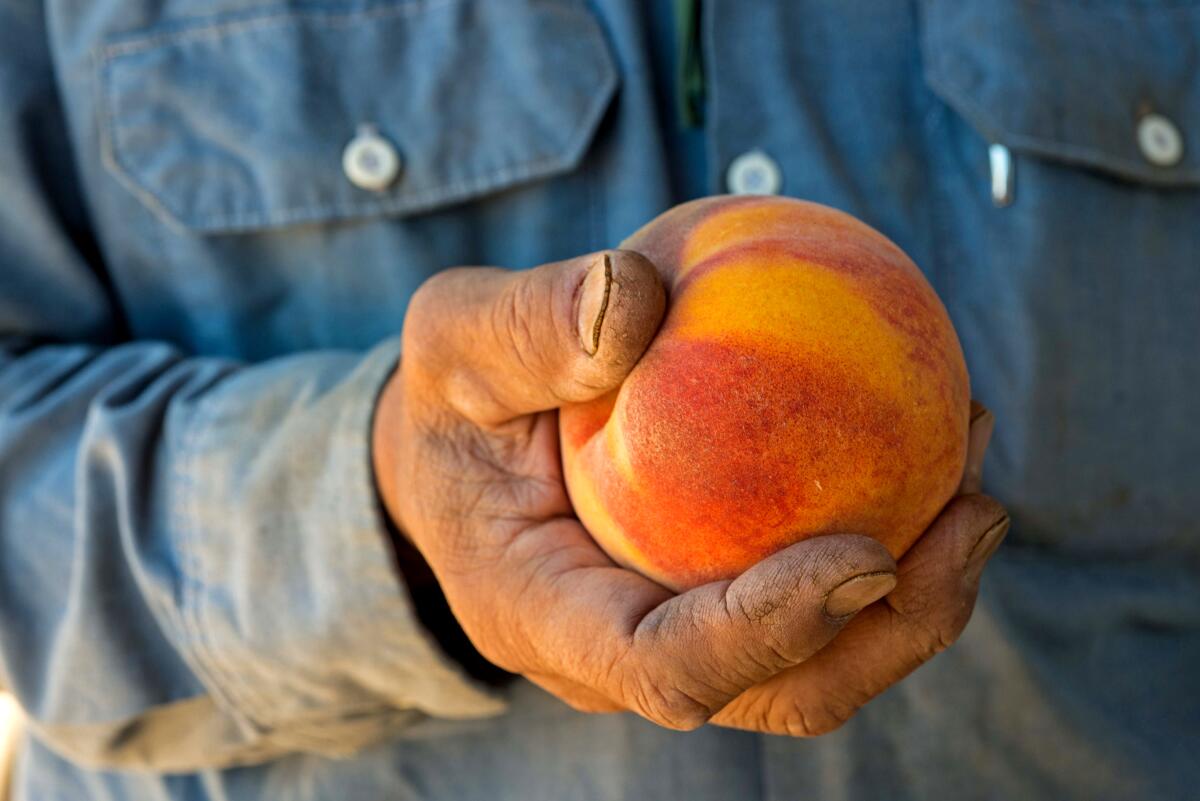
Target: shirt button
1160 141
754 173
370 161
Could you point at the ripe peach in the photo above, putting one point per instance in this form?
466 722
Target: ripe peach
806 380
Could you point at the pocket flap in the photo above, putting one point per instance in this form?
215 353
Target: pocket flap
1072 80
241 122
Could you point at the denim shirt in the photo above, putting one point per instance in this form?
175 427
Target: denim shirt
198 307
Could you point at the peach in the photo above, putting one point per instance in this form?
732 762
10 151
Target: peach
806 380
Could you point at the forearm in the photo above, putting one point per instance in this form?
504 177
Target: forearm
192 545
194 569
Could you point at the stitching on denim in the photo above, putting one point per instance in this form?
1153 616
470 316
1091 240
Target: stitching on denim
216 30
108 153
330 18
488 180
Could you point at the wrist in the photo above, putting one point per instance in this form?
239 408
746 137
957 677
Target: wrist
428 601
436 617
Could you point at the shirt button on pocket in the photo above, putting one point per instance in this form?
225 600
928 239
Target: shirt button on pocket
754 173
370 161
1159 140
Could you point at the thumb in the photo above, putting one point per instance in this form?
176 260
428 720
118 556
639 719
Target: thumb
497 344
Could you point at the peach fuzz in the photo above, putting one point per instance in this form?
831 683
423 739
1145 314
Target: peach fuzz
806 380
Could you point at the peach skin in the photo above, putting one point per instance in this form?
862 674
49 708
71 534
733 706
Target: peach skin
806 380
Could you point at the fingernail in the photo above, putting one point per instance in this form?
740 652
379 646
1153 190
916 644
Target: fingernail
986 546
593 303
854 594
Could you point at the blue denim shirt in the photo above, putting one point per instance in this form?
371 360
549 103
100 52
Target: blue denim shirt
197 308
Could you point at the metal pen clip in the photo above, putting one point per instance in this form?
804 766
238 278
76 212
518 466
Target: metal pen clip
1000 159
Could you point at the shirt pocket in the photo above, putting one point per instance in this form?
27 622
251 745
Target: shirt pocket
1108 85
1075 295
241 122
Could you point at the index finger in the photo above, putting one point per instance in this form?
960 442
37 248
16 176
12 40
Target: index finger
677 659
938 583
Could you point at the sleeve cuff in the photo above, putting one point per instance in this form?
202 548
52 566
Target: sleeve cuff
293 613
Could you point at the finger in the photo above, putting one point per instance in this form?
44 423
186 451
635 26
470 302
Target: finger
497 344
982 424
676 660
937 584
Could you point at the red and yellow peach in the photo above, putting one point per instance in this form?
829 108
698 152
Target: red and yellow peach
806 380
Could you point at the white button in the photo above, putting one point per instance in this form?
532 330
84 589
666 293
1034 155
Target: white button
370 161
1160 140
753 173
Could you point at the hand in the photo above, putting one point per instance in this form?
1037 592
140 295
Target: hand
466 455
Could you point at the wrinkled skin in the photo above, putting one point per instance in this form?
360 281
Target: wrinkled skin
466 454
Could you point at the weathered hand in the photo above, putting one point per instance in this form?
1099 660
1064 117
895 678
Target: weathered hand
923 615
467 458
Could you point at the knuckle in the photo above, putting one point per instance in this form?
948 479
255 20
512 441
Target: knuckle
829 717
931 645
669 707
421 318
422 300
681 713
940 632
933 615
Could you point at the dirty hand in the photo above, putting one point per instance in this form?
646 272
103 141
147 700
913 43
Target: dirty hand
466 455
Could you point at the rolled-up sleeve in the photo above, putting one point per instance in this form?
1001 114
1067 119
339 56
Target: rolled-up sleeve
194 566
291 602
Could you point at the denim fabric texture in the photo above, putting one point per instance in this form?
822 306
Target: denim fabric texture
197 310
